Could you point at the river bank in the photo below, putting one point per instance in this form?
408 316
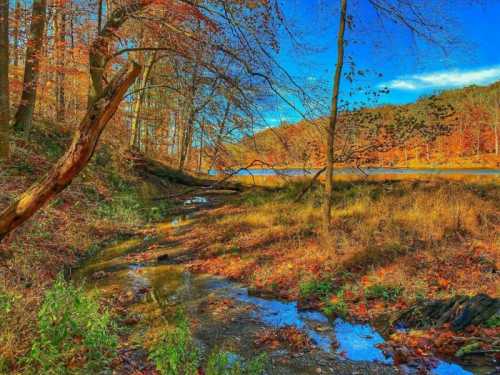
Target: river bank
148 274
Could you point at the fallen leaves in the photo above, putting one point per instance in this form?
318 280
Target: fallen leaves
288 336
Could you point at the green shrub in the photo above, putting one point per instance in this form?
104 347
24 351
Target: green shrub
315 288
175 353
6 301
74 335
337 307
225 363
494 321
256 198
385 292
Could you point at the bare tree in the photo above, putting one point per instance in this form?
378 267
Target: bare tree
4 80
330 151
107 93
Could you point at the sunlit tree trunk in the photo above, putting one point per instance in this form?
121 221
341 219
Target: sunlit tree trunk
496 105
16 32
76 157
200 154
60 49
4 80
134 127
24 114
186 140
330 152
103 103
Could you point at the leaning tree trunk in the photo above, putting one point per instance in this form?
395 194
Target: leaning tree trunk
4 80
24 114
76 158
103 103
332 126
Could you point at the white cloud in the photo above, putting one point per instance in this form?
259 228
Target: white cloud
445 79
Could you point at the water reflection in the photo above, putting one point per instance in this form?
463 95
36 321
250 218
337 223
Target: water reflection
356 342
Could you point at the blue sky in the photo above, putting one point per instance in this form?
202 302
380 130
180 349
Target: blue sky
391 57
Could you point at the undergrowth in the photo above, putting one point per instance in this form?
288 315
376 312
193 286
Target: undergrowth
176 353
75 336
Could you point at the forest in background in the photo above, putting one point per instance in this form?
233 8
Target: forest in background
192 111
453 129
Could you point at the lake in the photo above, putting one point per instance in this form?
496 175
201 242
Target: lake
368 171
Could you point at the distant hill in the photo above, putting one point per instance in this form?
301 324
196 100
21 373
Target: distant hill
452 128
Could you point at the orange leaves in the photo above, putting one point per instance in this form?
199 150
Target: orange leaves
361 311
365 281
443 283
288 336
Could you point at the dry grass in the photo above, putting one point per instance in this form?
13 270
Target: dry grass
428 238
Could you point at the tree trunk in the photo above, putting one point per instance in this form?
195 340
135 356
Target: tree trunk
24 114
103 102
16 32
76 157
200 154
4 80
330 153
134 127
60 49
478 140
497 121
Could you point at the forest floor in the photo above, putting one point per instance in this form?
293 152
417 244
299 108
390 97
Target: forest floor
393 243
108 200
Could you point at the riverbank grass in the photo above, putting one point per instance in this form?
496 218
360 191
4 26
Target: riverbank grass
426 239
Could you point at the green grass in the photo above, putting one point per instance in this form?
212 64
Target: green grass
316 288
336 308
176 353
75 336
494 321
385 292
226 363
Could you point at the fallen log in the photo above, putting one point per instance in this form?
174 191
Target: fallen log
459 311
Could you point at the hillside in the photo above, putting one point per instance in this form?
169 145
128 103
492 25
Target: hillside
109 201
465 136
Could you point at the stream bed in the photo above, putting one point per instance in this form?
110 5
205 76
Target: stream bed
228 317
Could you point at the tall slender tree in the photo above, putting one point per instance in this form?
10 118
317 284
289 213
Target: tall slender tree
16 32
60 50
332 122
24 114
134 141
4 80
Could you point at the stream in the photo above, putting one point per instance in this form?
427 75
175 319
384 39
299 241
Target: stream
226 315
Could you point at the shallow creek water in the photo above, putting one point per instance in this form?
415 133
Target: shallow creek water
228 316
